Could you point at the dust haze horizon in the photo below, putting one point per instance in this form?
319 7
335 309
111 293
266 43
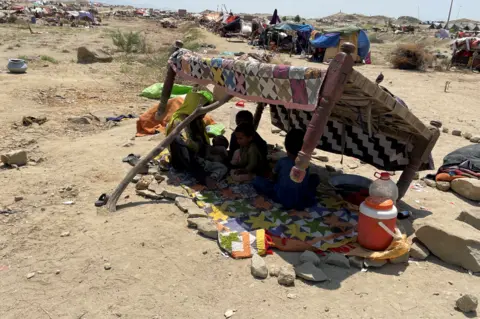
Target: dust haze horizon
425 9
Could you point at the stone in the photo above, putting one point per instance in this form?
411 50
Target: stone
475 139
258 267
417 176
155 187
172 192
185 204
453 241
310 256
352 166
310 272
401 260
321 158
436 124
149 194
291 296
430 182
192 222
87 56
18 198
467 187
283 134
30 275
207 228
18 157
65 234
471 217
159 177
445 130
107 266
338 260
137 178
456 133
370 263
467 303
197 213
419 251
57 272
273 270
286 276
467 135
443 186
357 262
80 120
229 313
144 182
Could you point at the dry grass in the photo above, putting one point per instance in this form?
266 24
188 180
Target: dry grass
410 56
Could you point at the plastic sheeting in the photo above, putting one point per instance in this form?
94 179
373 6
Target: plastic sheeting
329 40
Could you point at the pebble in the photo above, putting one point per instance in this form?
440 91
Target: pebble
291 296
65 234
57 272
475 139
457 133
370 263
430 182
18 198
172 192
159 177
196 212
286 276
80 120
207 228
338 260
107 266
156 187
258 267
149 194
137 178
229 313
310 272
273 270
445 130
418 251
310 256
436 124
467 135
283 134
352 166
144 182
30 275
185 204
443 186
467 303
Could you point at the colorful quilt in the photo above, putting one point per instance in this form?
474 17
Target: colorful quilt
250 223
291 86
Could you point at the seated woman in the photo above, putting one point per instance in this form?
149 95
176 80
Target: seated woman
192 142
283 190
248 160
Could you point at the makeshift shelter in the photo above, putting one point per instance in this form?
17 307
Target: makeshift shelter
466 53
287 36
332 40
340 109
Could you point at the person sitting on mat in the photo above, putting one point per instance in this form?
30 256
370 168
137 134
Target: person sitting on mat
216 156
283 190
247 117
247 161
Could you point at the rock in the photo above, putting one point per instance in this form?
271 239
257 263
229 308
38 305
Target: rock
467 303
30 275
273 270
352 166
283 134
18 157
430 182
185 204
136 178
87 56
155 187
467 135
18 198
207 228
65 234
370 263
436 124
321 158
286 276
172 192
229 313
357 262
107 266
291 296
467 187
417 176
418 251
338 260
309 272
471 217
57 272
310 256
445 130
192 222
475 139
276 130
144 182
401 260
456 133
197 213
453 241
159 177
259 267
443 186
80 120
149 194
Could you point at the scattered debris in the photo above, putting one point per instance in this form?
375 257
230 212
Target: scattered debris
286 276
283 134
310 272
30 275
156 187
69 203
172 192
467 303
18 157
338 260
310 256
259 267
29 120
418 251
65 234
229 313
128 144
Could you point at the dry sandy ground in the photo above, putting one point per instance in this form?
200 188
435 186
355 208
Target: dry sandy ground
160 268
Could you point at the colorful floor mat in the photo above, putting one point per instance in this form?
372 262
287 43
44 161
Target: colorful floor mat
251 223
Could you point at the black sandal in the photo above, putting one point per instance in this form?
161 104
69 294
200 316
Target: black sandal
102 200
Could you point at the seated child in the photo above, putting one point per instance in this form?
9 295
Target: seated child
215 160
247 161
247 117
283 190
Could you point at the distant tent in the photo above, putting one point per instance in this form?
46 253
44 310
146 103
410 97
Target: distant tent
466 28
432 26
439 26
454 28
477 28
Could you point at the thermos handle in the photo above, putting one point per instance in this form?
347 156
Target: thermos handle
388 230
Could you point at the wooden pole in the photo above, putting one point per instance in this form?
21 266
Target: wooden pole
449 15
167 91
258 114
113 199
332 89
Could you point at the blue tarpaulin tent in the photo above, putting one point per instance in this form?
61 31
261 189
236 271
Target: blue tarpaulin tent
331 38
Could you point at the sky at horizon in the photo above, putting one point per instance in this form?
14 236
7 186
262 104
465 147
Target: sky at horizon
428 9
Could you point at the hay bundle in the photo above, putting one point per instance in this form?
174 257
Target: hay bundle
410 56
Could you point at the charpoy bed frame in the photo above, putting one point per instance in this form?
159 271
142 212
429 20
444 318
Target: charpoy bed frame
340 110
